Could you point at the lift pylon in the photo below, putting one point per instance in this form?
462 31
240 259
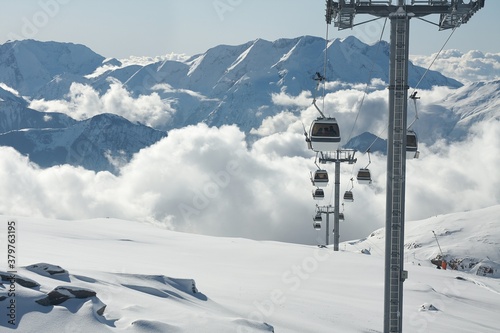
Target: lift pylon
452 13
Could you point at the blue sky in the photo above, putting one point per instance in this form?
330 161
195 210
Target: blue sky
121 28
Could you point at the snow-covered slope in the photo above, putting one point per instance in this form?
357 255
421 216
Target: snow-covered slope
473 103
469 241
108 275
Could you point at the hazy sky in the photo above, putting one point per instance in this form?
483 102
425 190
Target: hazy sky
122 28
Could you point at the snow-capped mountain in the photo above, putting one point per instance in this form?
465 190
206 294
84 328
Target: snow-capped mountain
366 141
29 65
236 83
224 85
231 84
102 143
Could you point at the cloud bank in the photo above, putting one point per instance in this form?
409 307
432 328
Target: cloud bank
84 102
217 181
208 180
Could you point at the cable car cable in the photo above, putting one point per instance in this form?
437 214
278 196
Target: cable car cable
365 93
435 58
370 77
325 63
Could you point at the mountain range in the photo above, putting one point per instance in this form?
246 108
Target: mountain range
224 85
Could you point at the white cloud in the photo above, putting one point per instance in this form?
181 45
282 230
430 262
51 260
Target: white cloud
275 124
472 66
166 88
357 108
84 102
207 180
304 99
459 177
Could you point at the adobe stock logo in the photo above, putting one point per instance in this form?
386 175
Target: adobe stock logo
31 25
209 191
366 33
223 6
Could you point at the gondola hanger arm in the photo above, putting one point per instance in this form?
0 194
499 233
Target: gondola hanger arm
369 159
318 78
317 108
414 97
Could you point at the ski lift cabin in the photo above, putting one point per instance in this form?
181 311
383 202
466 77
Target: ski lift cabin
341 217
317 225
318 194
320 178
411 144
364 176
324 134
348 196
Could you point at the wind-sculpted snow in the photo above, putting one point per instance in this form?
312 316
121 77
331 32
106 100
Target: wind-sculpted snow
109 302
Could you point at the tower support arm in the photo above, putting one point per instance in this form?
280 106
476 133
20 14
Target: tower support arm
453 13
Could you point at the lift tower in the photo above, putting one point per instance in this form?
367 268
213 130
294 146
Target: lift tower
337 157
453 13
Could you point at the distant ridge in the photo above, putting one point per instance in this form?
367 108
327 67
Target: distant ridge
224 85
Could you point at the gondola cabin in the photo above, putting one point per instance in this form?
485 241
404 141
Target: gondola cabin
318 194
364 176
411 145
324 134
320 178
317 225
341 217
348 196
318 218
